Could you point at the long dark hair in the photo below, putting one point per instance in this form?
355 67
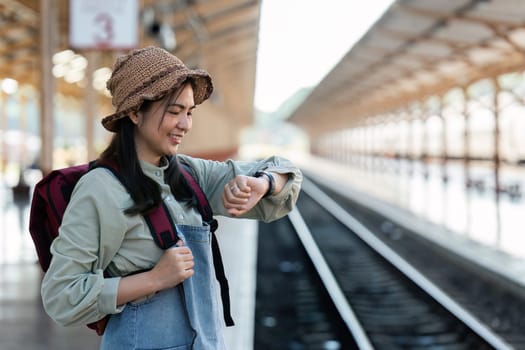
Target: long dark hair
122 152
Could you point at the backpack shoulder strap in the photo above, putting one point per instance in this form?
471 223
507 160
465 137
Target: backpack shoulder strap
207 215
159 220
162 226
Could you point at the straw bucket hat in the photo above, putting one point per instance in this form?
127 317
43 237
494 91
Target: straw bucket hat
149 74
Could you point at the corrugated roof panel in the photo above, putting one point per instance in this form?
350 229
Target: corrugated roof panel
518 37
505 45
387 43
368 56
386 73
485 56
406 61
404 22
464 31
505 11
452 68
426 78
430 50
443 6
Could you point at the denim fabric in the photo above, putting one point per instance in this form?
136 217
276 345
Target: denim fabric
185 317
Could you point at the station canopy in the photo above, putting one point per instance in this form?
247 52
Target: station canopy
417 49
218 35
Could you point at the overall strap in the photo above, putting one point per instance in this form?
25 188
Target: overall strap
207 215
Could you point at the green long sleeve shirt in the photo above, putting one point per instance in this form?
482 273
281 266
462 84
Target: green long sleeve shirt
96 235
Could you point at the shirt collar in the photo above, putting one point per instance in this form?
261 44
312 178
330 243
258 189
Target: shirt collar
153 171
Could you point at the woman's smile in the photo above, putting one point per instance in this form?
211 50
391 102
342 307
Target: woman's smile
175 139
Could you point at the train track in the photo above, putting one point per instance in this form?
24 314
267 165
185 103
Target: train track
494 300
293 309
370 296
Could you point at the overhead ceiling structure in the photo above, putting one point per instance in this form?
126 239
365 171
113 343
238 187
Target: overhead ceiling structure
19 26
417 49
218 35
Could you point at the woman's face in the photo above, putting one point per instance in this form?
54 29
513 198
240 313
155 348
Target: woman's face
161 127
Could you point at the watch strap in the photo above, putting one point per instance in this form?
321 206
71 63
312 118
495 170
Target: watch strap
271 181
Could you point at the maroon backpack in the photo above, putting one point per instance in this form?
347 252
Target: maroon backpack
51 197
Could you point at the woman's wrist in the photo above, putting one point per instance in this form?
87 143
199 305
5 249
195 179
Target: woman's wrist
271 182
136 286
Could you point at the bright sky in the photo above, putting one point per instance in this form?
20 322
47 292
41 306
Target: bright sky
301 40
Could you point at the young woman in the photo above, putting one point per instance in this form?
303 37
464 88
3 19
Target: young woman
105 260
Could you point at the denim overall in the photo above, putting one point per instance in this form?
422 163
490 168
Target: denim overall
187 316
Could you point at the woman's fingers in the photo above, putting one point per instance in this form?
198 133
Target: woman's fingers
238 196
235 196
236 191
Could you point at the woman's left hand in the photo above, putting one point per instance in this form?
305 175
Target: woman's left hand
242 193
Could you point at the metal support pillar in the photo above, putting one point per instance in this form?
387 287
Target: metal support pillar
466 138
3 126
497 158
444 138
425 146
47 86
90 104
410 150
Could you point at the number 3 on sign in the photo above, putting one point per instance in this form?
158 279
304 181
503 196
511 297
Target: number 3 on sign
103 33
103 24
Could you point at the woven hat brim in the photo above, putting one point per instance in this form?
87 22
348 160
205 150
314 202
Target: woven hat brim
157 90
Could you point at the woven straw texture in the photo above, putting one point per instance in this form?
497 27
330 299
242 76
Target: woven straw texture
149 74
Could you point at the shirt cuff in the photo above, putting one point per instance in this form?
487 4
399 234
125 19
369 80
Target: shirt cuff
284 194
107 302
286 190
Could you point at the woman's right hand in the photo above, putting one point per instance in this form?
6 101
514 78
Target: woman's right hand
174 266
